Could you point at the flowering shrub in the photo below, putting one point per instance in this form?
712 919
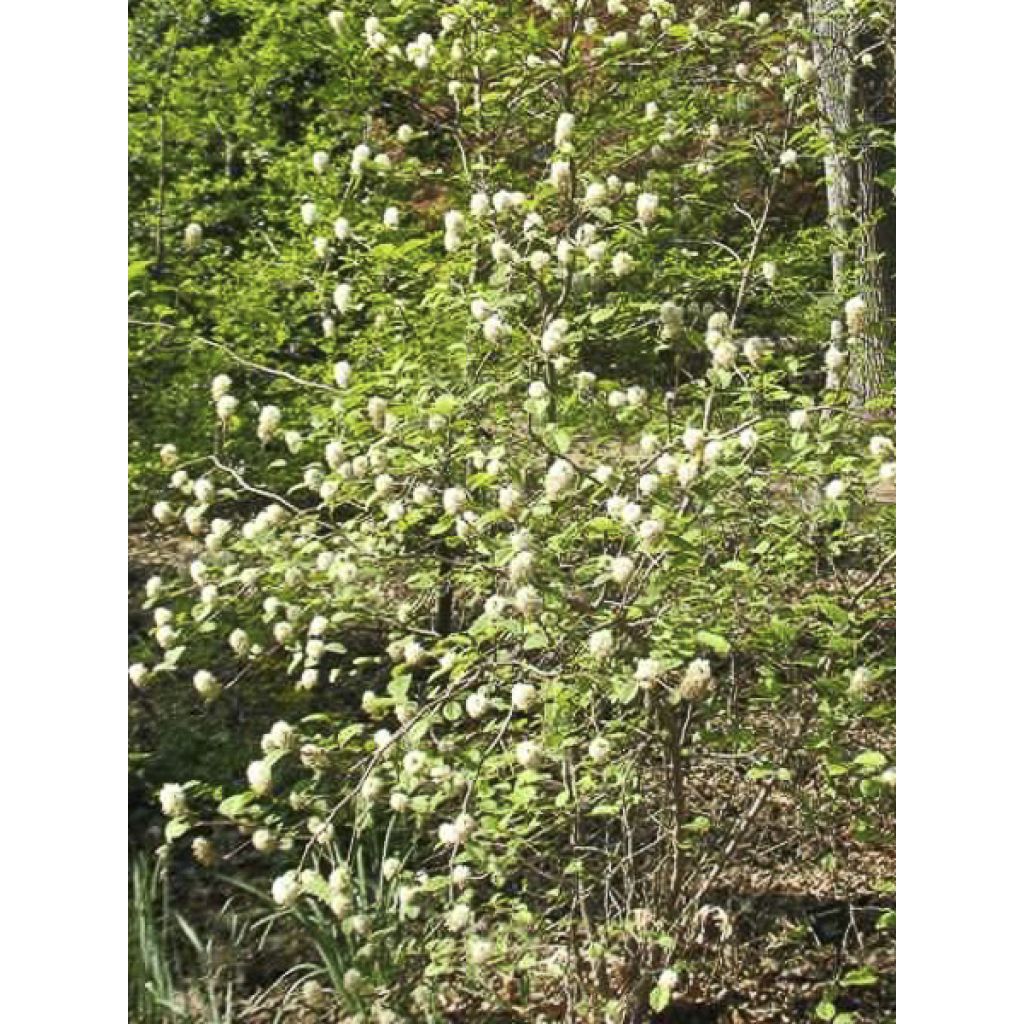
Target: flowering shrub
568 536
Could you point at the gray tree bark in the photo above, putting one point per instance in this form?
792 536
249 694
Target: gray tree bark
851 102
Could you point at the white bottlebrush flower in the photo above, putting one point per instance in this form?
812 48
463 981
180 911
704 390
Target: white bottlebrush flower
755 349
169 455
561 174
559 478
239 642
204 490
601 644
269 421
139 674
648 670
502 252
226 406
650 531
799 419
599 749
769 271
667 464
360 158
520 566
553 338
696 679
834 489
563 129
377 410
404 134
336 19
371 789
748 438
308 680
260 776
263 841
459 917
494 328
528 753
636 396
856 312
564 252
835 358
509 499
480 204
454 500
687 472
668 980
321 246
539 260
631 513
712 450
308 213
383 485
887 471
621 569
860 681
321 159
622 264
479 950
461 875
479 309
596 194
173 801
646 208
390 867
522 696
413 653
421 494
477 704
391 217
527 601
342 229
286 889
648 483
724 355
163 513
398 802
206 684
537 390
880 445
789 158
193 236
382 739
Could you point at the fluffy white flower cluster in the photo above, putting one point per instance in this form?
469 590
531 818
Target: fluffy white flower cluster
553 339
697 680
421 51
559 478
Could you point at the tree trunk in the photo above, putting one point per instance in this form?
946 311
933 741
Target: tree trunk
852 103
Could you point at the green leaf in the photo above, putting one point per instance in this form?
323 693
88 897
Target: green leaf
716 643
234 805
861 976
174 828
659 998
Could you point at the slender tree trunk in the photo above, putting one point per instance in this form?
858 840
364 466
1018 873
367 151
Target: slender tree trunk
831 46
852 102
